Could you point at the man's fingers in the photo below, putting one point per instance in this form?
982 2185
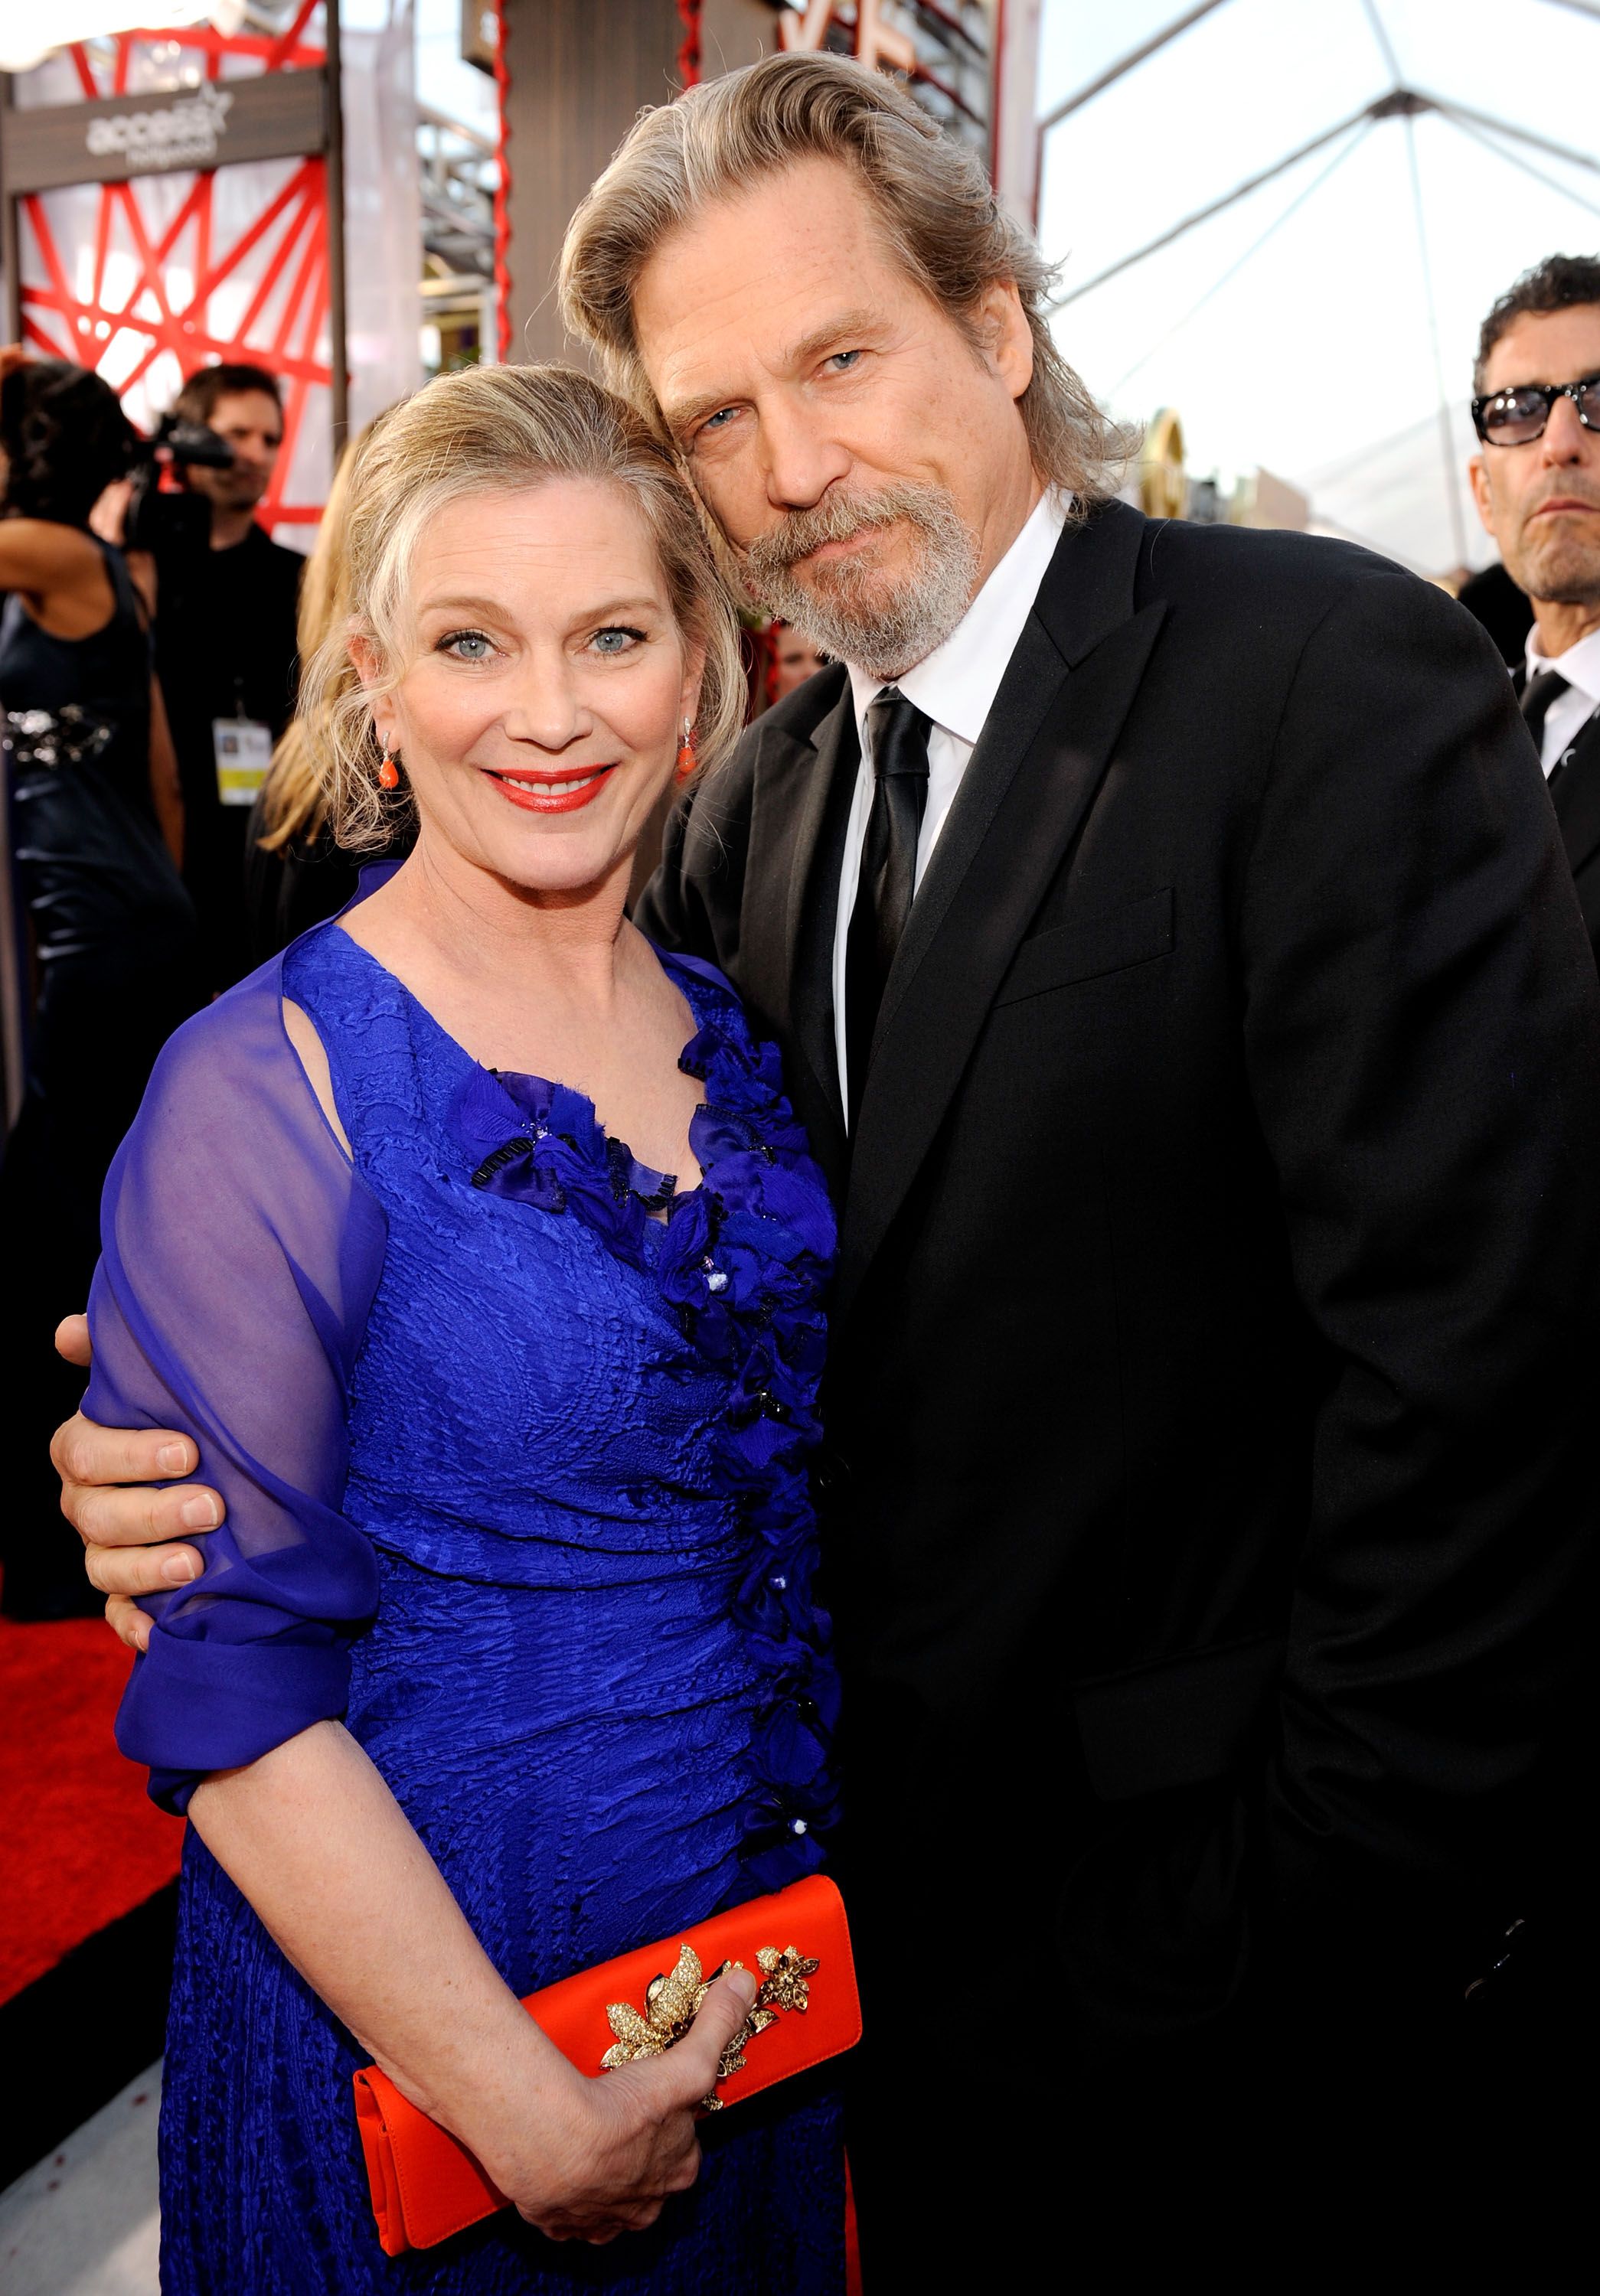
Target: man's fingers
121 1571
72 1341
127 1622
139 1517
83 1453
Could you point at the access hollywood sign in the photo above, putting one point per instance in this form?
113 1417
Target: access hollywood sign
267 116
182 134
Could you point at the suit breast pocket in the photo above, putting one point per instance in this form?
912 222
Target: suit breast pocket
1090 948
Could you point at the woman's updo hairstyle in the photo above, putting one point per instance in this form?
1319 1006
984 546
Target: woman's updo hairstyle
65 439
493 430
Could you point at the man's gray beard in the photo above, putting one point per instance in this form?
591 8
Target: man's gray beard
836 604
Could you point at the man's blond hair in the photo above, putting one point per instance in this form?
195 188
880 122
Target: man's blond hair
933 200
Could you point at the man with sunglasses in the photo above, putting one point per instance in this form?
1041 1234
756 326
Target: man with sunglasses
1536 484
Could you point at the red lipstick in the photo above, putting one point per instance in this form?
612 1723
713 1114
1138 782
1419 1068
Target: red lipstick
550 793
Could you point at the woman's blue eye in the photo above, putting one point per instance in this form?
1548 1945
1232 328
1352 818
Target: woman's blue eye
467 645
616 640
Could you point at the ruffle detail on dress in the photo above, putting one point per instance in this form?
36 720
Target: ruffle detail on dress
744 1260
559 1157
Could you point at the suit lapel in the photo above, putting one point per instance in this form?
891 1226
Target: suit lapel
800 811
1027 789
1576 797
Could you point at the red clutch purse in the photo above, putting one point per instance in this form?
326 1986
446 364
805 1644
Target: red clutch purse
426 2186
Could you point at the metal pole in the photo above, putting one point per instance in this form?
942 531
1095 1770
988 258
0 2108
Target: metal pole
1104 80
1452 476
1215 207
1459 112
1515 160
13 1022
340 388
1250 253
1392 63
1126 64
8 235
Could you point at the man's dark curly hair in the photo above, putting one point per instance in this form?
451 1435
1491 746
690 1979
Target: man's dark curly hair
65 439
1556 284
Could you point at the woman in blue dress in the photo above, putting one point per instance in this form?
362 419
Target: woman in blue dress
504 1660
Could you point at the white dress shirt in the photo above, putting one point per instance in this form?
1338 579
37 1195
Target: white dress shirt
954 689
1569 712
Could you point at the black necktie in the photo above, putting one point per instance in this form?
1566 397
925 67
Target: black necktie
898 734
1537 695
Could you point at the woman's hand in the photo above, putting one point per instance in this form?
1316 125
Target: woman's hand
630 2140
314 1838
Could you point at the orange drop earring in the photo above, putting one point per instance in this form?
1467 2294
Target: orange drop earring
389 773
686 759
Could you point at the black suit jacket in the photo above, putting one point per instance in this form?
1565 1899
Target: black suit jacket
1215 1319
1576 797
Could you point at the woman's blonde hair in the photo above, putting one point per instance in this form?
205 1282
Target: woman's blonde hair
934 202
293 802
489 430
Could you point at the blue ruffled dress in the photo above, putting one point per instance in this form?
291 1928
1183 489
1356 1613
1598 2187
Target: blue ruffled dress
512 1439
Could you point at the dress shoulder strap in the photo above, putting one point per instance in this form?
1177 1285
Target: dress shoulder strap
129 602
363 1016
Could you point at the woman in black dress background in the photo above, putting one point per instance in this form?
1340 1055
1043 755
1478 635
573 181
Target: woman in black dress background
96 828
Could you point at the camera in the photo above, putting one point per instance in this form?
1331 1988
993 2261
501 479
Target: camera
157 521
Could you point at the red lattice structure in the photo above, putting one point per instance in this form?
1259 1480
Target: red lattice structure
272 271
688 54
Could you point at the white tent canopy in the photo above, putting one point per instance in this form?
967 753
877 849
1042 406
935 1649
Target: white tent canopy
1315 322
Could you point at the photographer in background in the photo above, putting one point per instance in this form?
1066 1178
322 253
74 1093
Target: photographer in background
225 598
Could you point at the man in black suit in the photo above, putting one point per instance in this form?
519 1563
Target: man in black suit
1537 483
1177 969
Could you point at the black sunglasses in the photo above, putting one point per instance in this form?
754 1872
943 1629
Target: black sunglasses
1516 418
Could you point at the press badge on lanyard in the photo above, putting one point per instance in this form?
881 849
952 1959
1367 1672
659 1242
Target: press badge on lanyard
244 753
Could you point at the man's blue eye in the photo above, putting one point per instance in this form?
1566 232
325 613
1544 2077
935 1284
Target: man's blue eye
844 359
723 414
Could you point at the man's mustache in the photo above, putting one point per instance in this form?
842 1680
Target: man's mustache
835 519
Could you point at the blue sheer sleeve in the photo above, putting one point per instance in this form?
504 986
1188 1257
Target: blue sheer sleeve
240 1256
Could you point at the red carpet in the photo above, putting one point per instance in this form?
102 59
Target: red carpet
83 1843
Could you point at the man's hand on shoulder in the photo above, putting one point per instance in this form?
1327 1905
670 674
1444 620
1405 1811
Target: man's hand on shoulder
127 1528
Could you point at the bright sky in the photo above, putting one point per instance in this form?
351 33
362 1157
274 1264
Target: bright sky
1315 359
